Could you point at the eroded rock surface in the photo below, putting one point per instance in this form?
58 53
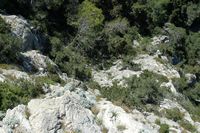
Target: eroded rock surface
149 63
34 61
52 114
22 29
105 78
116 120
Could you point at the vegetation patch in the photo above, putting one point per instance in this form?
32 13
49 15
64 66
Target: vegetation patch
12 94
174 114
140 91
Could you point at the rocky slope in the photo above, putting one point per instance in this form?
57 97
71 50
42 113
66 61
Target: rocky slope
74 107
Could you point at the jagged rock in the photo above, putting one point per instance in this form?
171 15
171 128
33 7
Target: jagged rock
170 86
116 120
191 78
160 39
86 98
49 115
13 74
148 62
61 114
105 78
22 29
34 61
114 73
135 44
2 78
197 125
16 120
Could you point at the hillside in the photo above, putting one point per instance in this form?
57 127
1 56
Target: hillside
99 66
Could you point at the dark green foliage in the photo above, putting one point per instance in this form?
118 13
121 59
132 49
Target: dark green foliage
176 50
164 128
180 84
193 48
73 64
9 45
190 91
4 28
119 36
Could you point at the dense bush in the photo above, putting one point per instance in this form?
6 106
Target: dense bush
4 27
190 91
164 128
13 94
73 64
174 114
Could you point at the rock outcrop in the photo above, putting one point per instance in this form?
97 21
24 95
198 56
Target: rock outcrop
149 63
22 29
116 120
159 39
105 78
12 74
61 114
34 61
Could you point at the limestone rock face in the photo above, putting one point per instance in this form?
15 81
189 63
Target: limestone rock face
22 29
86 98
170 86
61 114
12 74
114 73
2 78
160 39
53 114
191 78
148 62
34 61
116 120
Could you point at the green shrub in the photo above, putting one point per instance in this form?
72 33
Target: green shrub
9 44
45 79
121 127
73 64
164 128
83 73
4 27
193 49
174 114
89 14
180 84
13 94
139 92
186 125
